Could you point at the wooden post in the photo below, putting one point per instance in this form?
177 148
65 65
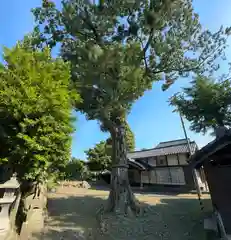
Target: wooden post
141 180
149 176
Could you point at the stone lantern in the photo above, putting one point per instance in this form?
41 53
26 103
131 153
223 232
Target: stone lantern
7 197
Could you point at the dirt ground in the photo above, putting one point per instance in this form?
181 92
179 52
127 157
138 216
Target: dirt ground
71 215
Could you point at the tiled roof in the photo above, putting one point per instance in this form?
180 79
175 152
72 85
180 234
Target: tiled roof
136 164
172 143
166 148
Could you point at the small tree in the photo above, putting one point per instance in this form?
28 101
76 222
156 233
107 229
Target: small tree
98 160
76 169
206 104
117 49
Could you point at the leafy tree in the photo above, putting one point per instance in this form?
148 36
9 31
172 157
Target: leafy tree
206 104
35 113
98 160
76 169
117 49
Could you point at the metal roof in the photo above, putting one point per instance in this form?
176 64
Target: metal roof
166 148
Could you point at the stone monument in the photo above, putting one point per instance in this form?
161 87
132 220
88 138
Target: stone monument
7 197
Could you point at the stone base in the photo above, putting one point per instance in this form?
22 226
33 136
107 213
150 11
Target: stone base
210 224
3 234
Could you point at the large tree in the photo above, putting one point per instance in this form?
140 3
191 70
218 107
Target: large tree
129 141
117 49
206 104
35 112
100 156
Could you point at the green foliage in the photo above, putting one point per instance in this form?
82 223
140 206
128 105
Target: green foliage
52 181
76 169
98 160
205 104
35 112
117 49
100 157
129 138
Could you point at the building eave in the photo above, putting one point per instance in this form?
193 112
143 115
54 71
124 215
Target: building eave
202 155
170 150
136 164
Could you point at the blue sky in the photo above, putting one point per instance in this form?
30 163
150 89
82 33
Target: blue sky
151 119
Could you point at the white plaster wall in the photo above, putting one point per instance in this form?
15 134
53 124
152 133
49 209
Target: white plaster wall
183 159
172 160
152 161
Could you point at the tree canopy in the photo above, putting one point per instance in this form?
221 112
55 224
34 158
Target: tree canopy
117 49
35 112
206 103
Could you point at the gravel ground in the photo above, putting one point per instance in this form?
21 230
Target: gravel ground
72 216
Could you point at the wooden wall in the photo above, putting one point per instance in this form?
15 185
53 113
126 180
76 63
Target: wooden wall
165 175
167 170
219 179
169 160
134 175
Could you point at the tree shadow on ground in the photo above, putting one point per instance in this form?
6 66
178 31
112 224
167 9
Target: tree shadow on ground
74 217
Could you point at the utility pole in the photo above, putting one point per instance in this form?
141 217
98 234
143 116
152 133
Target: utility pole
185 134
195 175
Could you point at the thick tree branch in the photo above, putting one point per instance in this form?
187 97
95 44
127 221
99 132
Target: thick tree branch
131 12
165 68
83 34
149 41
145 48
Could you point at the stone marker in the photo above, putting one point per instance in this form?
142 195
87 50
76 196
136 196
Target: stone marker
7 197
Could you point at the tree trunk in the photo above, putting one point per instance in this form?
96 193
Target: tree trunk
121 198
